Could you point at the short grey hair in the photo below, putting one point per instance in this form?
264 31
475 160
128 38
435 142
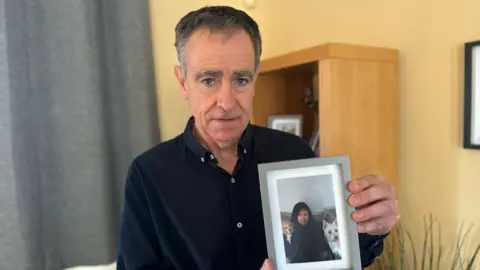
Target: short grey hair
216 18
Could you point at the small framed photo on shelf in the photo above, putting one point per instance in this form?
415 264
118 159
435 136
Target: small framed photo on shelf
471 137
307 219
291 123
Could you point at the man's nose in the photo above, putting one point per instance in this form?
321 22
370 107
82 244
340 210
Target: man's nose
226 97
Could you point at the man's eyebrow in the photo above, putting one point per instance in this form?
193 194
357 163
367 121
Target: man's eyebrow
243 73
208 73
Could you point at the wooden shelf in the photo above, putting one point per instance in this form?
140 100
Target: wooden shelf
357 88
328 51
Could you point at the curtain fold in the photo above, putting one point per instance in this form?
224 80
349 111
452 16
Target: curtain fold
77 104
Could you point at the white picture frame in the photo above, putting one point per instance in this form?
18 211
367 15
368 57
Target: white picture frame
291 123
324 179
471 138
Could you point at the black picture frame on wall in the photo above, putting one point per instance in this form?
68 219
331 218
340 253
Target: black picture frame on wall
471 132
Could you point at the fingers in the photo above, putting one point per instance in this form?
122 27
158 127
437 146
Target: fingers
377 218
375 203
267 265
364 182
371 194
378 226
384 208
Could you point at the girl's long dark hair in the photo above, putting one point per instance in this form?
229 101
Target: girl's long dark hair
296 210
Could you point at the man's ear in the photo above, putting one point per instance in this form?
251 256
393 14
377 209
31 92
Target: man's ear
181 82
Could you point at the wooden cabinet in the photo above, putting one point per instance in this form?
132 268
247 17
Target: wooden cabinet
357 88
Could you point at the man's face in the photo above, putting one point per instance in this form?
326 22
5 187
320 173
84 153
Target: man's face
219 82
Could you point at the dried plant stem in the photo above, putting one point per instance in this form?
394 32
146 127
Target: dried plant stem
459 247
471 263
431 253
440 247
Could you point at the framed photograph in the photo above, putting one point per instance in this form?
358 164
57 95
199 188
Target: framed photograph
308 222
472 96
291 123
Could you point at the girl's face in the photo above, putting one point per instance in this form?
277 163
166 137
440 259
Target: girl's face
302 217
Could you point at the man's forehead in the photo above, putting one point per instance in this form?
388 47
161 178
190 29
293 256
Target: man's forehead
210 51
222 35
222 67
203 44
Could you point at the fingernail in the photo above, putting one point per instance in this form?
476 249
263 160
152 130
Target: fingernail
358 185
353 199
354 184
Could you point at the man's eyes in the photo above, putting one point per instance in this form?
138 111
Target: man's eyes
208 81
238 81
242 81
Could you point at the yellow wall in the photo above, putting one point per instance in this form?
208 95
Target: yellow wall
436 174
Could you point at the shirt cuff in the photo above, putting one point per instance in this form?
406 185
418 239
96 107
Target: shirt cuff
372 249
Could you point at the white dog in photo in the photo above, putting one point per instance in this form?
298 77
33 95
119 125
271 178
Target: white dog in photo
331 234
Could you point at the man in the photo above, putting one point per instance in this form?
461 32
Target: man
193 202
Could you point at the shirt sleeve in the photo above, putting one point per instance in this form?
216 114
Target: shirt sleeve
371 246
138 245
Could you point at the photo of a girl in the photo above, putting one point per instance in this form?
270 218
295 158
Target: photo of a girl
307 242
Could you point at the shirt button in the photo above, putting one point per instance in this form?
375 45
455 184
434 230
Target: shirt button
239 225
233 180
244 151
202 159
211 156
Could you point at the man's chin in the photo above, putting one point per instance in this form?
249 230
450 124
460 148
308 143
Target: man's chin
226 138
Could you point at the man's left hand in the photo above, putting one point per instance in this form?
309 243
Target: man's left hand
267 265
375 203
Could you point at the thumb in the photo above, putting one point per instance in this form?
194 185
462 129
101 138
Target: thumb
267 265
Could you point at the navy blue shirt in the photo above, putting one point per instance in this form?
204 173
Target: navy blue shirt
181 211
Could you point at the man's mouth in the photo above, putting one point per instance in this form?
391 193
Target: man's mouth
226 119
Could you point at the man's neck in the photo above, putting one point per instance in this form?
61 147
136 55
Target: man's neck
225 153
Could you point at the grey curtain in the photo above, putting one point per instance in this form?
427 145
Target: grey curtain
77 104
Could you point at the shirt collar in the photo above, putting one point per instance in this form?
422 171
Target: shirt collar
204 154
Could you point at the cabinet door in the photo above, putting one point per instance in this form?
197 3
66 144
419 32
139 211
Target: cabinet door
358 114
